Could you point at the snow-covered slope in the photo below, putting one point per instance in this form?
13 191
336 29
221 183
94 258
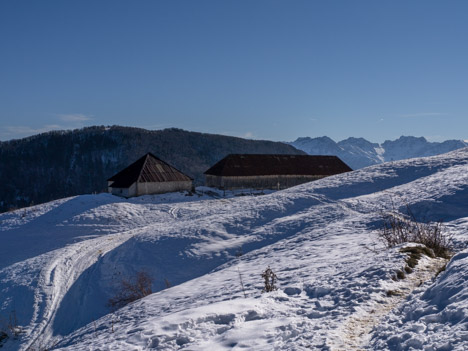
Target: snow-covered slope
359 153
62 261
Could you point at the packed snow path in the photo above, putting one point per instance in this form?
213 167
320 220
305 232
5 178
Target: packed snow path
316 238
355 333
434 318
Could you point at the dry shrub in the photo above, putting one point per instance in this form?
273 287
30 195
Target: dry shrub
9 328
398 229
131 290
269 280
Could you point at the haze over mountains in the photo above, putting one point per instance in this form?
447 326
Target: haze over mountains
359 152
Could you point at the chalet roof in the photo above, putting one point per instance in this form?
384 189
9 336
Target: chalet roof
147 169
256 165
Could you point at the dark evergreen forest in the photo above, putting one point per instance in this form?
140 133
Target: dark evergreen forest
58 164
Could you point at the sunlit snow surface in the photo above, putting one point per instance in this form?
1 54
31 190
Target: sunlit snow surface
60 263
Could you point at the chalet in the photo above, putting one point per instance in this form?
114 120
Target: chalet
244 171
148 175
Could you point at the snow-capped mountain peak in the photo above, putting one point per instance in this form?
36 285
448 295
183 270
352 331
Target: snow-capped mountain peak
359 152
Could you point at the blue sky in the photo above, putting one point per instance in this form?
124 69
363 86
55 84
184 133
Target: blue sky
259 69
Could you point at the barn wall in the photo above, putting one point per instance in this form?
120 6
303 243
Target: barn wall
125 192
162 187
258 182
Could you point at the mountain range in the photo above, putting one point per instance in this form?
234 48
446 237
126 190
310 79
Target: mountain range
359 152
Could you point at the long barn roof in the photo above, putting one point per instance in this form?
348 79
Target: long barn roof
147 169
257 165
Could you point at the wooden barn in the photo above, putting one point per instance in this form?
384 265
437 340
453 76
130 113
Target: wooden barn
148 175
238 171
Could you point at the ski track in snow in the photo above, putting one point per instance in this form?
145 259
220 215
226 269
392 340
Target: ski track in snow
317 237
58 276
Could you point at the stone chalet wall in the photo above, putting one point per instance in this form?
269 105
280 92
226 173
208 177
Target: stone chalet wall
125 192
162 187
137 189
258 182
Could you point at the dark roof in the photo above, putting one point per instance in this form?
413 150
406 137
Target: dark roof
147 169
256 165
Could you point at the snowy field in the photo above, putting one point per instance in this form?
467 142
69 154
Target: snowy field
337 283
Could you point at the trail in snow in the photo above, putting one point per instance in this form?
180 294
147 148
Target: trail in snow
434 318
57 277
355 333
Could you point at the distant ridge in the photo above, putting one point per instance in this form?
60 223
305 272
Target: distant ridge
359 153
58 164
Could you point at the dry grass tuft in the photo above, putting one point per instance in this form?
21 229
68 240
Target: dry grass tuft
399 228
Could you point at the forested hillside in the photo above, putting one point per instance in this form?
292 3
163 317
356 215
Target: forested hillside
64 163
